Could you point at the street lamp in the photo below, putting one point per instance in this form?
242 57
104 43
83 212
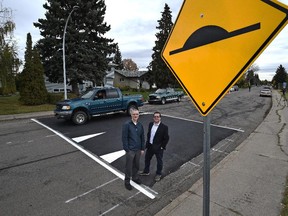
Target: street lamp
64 62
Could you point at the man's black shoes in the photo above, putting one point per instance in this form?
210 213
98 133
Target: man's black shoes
128 186
144 173
137 181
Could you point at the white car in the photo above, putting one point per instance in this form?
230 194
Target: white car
266 92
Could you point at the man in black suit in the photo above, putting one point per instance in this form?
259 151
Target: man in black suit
157 139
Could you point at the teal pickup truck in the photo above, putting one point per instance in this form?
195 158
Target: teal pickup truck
94 102
164 95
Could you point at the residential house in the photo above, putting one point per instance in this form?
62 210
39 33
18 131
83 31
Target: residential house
133 79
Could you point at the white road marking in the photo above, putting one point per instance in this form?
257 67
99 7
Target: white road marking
217 150
113 156
74 198
104 213
98 160
219 126
83 138
50 135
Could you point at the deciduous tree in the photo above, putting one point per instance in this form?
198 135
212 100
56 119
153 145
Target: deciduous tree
9 62
130 65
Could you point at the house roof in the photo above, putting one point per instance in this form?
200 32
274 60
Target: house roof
131 74
110 74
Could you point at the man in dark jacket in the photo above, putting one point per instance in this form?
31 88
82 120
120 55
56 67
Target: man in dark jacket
133 140
157 139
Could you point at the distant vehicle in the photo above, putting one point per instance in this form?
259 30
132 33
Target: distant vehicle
60 90
164 95
266 92
94 102
234 88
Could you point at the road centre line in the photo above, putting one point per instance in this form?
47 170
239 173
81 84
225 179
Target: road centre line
98 160
219 126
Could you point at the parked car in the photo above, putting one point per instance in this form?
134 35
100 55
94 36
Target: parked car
266 92
94 102
234 88
164 95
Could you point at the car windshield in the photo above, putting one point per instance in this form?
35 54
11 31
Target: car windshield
160 91
87 94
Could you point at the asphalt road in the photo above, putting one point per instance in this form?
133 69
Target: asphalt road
41 173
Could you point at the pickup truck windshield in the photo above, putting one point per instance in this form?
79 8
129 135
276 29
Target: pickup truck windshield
160 91
87 94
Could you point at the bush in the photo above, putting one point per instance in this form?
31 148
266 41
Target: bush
54 98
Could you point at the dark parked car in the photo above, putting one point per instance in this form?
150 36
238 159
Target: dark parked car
164 95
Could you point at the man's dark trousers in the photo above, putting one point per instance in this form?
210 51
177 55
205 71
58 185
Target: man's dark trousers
132 163
159 156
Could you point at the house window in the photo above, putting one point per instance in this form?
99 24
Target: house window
121 79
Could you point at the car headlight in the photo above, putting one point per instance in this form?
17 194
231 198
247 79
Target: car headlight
158 97
66 107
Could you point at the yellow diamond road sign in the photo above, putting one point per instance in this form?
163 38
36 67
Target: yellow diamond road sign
213 42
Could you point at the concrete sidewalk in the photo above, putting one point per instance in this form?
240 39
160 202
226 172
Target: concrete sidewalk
251 180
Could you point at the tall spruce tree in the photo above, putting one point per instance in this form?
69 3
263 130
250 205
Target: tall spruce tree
117 59
32 87
86 48
159 73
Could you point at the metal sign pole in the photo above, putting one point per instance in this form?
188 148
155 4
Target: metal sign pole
206 167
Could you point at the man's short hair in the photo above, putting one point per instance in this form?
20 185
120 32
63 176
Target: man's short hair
157 112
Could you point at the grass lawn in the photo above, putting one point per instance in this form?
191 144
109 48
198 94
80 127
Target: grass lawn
11 105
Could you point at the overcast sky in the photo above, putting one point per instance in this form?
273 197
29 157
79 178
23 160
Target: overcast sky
133 26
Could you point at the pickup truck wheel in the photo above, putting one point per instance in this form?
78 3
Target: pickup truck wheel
163 101
131 106
80 118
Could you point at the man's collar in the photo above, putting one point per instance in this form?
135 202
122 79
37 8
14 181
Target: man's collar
157 123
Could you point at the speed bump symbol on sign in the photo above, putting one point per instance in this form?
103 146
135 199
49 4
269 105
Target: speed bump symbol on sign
213 43
211 34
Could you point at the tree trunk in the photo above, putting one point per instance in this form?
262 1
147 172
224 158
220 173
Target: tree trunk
75 87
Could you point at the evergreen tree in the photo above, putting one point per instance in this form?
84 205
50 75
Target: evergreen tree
280 76
87 50
159 73
41 93
117 59
32 87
